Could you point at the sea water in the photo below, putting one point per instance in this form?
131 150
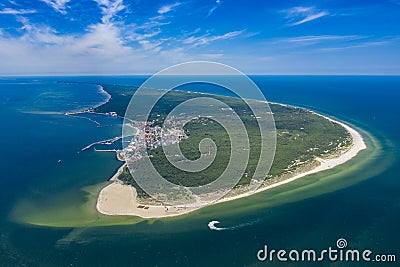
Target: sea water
49 186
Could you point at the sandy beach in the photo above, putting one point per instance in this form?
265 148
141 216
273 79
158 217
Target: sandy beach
120 199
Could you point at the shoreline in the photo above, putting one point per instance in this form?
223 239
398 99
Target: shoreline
114 198
101 90
325 164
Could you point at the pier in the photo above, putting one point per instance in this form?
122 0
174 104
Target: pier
103 142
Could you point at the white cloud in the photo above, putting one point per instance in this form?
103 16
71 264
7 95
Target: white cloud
101 40
217 4
13 2
206 39
150 46
316 41
110 8
134 36
336 42
299 15
58 5
311 17
109 46
153 22
144 34
321 38
39 35
101 49
168 8
11 11
359 45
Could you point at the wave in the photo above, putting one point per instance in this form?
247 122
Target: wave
39 112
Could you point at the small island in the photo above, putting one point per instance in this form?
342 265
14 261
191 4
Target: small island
307 143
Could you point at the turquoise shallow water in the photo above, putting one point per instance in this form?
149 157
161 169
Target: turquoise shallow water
358 201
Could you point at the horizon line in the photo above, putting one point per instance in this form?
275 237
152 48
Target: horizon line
191 74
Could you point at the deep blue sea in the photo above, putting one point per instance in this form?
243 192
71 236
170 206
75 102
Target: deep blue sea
48 185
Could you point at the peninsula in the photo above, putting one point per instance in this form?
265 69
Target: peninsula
307 143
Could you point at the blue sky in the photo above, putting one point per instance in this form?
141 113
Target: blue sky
56 37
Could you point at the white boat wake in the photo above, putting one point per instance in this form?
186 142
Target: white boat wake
212 225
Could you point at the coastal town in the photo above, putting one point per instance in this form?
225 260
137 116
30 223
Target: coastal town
149 135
